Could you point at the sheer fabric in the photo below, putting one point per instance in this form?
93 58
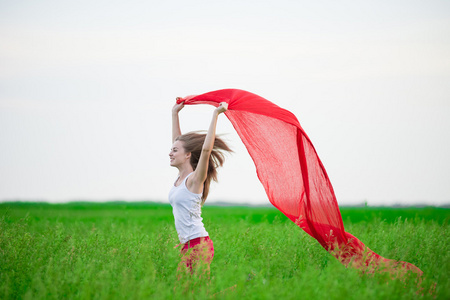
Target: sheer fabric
293 176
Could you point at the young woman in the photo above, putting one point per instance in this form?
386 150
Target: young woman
196 156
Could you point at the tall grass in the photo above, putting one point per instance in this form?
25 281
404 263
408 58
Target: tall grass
126 251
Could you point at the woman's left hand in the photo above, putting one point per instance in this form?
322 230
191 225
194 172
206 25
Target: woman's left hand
177 107
223 107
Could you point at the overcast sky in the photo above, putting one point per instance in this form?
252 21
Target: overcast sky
86 90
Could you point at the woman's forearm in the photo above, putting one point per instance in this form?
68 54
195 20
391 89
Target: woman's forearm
208 144
176 130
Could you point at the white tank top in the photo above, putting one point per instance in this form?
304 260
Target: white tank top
187 210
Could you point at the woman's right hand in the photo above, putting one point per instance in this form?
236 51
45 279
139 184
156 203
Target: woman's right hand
177 107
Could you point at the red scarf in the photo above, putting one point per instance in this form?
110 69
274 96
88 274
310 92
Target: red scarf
293 176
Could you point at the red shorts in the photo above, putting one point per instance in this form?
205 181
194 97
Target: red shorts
197 250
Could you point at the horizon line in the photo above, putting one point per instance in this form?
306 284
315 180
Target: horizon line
210 203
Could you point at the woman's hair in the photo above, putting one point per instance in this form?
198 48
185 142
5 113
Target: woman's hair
193 143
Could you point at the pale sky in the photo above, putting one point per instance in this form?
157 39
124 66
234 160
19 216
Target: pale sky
86 90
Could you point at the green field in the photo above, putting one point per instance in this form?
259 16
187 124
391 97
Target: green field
126 251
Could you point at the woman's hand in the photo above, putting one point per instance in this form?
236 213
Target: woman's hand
177 107
223 107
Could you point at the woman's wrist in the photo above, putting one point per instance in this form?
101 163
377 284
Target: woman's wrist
175 111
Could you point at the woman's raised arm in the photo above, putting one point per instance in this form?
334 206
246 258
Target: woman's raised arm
176 130
198 178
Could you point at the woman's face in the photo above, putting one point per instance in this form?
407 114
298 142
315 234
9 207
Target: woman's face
177 154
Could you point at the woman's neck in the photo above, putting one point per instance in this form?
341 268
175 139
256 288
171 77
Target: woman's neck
183 172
